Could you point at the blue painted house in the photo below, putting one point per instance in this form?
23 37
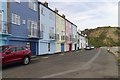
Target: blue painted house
47 29
3 23
23 18
74 37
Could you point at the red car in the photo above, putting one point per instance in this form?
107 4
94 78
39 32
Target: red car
11 54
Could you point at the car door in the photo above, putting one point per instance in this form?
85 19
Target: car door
19 53
8 55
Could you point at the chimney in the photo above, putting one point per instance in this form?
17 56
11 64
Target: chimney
56 10
63 15
46 4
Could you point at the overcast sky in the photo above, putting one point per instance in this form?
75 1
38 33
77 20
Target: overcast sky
88 13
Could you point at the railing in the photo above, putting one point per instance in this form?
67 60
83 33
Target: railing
51 36
3 27
33 33
63 37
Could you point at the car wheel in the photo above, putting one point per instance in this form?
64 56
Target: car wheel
26 60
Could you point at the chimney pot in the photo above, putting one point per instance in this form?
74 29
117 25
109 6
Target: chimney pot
63 15
56 10
46 4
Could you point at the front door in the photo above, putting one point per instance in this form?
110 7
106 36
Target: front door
75 46
70 47
48 47
62 47
33 48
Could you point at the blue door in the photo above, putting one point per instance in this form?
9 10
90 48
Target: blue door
62 47
33 48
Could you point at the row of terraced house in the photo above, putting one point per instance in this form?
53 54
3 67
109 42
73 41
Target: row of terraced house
37 26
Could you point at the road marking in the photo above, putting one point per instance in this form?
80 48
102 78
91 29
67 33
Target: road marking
83 67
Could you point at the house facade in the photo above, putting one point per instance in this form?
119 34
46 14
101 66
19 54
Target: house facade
82 40
74 37
47 30
23 18
60 33
68 36
3 23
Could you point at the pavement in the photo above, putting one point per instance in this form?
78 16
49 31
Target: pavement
97 63
115 51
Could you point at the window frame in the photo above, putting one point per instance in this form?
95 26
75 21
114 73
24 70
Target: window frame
32 28
32 5
17 1
12 48
42 11
15 19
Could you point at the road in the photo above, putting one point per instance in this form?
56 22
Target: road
97 63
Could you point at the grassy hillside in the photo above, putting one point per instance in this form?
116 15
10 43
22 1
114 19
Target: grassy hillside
103 36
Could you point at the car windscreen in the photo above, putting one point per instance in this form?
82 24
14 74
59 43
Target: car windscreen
2 48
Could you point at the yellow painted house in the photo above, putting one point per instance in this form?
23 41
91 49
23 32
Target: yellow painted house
60 33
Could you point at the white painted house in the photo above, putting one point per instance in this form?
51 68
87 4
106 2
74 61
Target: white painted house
82 40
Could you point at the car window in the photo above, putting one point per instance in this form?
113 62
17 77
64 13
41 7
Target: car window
12 49
24 48
19 48
2 48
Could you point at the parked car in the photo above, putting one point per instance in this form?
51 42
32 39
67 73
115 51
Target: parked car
11 54
88 48
92 47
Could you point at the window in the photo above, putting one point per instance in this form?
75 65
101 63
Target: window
32 5
51 16
32 28
63 37
51 33
18 1
15 19
57 37
12 49
19 48
48 46
42 11
0 22
62 22
42 27
23 21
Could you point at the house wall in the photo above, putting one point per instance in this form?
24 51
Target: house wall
47 25
74 37
60 29
68 33
78 41
20 33
3 23
82 42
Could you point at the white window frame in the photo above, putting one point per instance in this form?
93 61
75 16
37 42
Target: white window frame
43 11
32 5
15 19
18 1
32 27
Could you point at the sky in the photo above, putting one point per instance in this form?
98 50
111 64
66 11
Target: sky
87 13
